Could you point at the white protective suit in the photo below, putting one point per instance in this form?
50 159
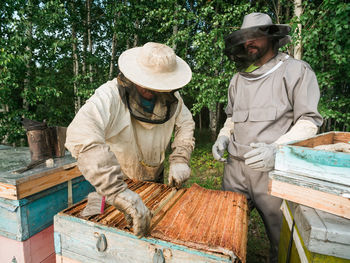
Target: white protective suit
123 146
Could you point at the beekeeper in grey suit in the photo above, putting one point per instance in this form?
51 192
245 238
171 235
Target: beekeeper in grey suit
272 100
124 129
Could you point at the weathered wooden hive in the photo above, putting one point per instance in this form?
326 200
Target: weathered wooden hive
316 182
313 177
29 201
189 225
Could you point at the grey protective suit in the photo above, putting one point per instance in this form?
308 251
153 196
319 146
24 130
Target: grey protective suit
264 105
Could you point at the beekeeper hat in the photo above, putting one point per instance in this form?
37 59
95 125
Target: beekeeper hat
155 66
257 25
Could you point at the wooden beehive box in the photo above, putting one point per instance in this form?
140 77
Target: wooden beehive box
37 248
29 200
189 225
317 236
315 178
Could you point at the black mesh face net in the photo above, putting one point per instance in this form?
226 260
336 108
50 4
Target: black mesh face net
165 103
234 43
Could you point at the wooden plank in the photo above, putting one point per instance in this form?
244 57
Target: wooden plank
16 186
8 191
341 137
21 219
36 249
327 251
37 184
322 232
313 183
306 196
296 238
326 138
50 259
62 259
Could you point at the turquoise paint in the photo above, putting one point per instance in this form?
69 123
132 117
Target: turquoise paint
337 159
35 213
57 241
307 162
149 240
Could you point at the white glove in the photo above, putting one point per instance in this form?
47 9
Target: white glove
178 174
262 158
136 213
219 148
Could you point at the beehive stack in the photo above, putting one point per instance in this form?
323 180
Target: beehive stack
203 222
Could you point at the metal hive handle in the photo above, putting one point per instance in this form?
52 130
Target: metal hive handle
101 243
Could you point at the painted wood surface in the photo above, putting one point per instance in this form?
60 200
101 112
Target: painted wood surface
38 248
300 158
21 219
299 251
76 235
330 203
62 259
16 186
312 183
76 240
322 232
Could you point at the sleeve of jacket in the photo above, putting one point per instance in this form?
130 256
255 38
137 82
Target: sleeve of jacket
184 141
86 141
304 92
228 127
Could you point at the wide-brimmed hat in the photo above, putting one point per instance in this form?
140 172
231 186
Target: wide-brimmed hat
155 66
257 25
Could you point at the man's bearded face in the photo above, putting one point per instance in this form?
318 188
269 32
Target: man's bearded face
257 48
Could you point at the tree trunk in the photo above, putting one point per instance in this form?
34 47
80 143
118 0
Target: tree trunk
213 123
136 37
84 49
29 53
113 49
75 64
175 27
88 5
297 13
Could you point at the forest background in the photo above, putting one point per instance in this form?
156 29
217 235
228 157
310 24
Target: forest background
54 54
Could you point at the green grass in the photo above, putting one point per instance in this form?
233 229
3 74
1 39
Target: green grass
207 172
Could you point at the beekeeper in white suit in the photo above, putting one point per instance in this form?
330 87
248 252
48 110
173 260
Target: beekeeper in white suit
271 100
124 129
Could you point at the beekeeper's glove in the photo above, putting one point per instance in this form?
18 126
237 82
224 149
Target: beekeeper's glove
262 157
136 213
178 174
219 148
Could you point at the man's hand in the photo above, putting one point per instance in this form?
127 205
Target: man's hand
178 174
136 213
220 147
262 157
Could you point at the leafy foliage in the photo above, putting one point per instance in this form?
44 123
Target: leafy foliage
326 43
36 54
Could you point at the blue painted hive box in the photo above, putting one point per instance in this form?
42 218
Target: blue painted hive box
29 200
308 173
301 158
